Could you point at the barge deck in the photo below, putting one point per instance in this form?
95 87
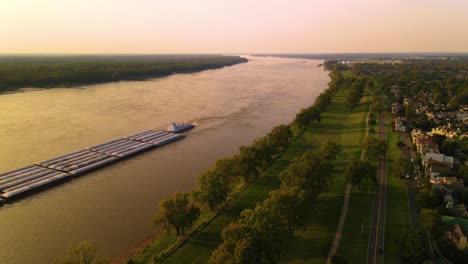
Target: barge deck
22 181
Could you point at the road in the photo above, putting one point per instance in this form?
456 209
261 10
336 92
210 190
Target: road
375 249
411 183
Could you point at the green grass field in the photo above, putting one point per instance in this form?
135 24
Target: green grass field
397 218
313 244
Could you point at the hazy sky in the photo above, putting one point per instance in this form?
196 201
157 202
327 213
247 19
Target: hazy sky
232 26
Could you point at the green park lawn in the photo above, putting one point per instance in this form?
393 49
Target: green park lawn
397 217
313 244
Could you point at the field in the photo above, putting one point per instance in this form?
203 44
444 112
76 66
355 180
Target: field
397 219
313 244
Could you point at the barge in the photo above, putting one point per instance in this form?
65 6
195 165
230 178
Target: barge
22 181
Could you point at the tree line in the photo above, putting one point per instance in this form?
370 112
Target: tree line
180 211
52 71
260 233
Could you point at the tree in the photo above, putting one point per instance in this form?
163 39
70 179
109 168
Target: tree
414 248
400 144
462 172
290 204
247 162
430 219
448 249
359 170
310 172
238 245
338 260
227 168
264 151
374 148
177 211
256 237
427 199
270 231
280 137
213 189
403 167
330 150
356 92
307 116
82 253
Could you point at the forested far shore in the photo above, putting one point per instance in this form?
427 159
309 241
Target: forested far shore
18 72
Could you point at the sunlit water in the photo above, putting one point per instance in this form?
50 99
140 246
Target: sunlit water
113 207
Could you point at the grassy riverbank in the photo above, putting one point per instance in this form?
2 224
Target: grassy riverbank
312 245
322 222
18 72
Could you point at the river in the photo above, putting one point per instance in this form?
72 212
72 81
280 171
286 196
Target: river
113 206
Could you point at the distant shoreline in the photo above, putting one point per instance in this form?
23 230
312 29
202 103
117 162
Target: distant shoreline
55 73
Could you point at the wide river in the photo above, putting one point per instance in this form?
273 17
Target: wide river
113 207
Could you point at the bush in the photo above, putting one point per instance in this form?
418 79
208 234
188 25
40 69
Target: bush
338 260
371 115
372 121
400 144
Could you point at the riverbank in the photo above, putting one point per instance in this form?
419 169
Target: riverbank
198 248
30 73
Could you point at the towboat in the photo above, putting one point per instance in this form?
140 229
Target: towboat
176 127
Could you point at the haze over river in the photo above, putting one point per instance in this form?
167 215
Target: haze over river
113 206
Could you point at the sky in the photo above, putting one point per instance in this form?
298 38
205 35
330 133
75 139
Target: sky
232 26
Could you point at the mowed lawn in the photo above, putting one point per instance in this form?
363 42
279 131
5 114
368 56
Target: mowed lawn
312 244
339 124
397 217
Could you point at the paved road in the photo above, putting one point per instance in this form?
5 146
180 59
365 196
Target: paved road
411 183
375 249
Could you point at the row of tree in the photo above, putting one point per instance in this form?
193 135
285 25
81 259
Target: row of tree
180 211
50 71
357 92
260 233
215 185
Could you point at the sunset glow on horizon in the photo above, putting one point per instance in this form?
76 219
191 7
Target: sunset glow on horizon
210 26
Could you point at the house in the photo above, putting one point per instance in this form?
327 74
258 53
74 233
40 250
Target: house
437 169
454 184
426 145
458 210
449 187
428 156
401 125
430 114
462 116
456 229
